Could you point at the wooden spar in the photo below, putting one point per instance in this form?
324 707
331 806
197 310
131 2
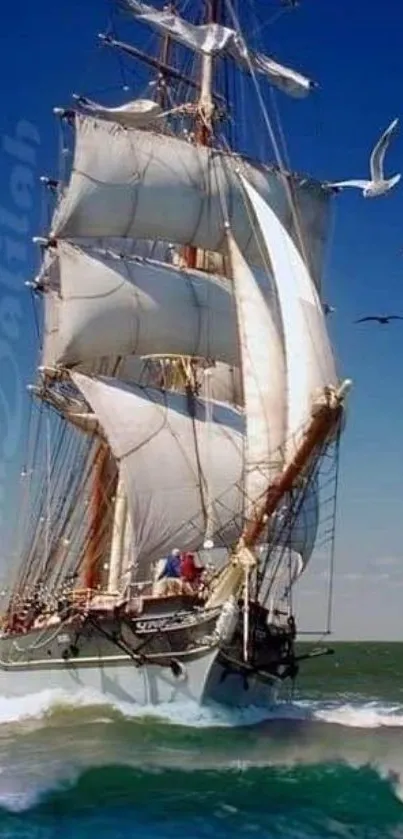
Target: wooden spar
165 69
324 421
103 488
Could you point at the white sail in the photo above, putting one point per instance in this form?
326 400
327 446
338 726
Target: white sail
263 380
215 39
141 113
163 456
309 357
225 384
138 184
115 306
162 460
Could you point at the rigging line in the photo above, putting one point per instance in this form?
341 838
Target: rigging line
277 15
65 493
42 493
289 523
267 121
111 30
48 490
203 485
25 476
78 527
32 472
333 542
72 458
82 449
42 502
36 318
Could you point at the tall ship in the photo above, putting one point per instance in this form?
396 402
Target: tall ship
187 412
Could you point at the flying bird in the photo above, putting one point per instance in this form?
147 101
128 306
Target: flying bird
328 310
378 185
380 318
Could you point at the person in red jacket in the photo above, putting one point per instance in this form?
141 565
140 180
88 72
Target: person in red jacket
189 571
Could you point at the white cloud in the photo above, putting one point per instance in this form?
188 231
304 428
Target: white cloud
386 562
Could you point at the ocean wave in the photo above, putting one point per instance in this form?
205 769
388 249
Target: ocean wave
323 799
57 751
356 713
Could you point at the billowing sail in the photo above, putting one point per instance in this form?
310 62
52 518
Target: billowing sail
215 39
115 306
309 358
138 184
162 453
163 456
263 380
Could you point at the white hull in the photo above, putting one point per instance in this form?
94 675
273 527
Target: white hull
202 680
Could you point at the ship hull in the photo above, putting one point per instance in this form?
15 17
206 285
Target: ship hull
203 678
88 659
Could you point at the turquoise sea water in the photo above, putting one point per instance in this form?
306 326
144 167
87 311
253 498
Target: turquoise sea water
328 763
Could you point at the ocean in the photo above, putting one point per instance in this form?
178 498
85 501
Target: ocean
327 762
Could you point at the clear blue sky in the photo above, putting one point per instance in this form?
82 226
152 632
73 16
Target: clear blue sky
47 51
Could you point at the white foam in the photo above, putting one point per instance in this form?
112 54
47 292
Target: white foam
372 714
358 714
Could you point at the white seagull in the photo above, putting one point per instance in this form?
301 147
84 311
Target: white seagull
378 185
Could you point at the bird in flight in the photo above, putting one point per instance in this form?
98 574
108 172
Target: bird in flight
378 184
380 318
328 310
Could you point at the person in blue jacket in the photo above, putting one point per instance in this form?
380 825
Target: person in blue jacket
172 567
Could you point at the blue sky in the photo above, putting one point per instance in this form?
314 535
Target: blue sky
48 50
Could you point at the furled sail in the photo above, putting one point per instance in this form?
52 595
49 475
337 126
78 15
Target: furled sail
263 380
131 183
110 305
141 113
309 358
215 39
163 455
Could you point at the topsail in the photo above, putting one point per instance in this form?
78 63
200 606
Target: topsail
101 304
137 184
214 39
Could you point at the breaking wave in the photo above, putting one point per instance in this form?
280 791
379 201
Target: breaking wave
303 769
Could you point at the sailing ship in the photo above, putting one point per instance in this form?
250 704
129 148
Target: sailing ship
187 396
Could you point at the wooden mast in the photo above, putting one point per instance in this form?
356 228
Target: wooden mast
104 485
204 118
105 478
104 482
163 61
